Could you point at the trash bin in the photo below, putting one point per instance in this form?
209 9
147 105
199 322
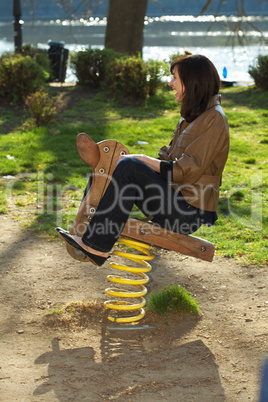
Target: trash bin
58 57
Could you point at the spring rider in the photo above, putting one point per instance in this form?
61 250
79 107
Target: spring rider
138 234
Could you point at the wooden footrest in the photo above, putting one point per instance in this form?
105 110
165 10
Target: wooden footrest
156 236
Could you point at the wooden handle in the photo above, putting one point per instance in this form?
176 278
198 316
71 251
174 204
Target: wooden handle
88 150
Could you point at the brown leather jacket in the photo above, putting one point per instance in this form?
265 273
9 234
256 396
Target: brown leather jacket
199 151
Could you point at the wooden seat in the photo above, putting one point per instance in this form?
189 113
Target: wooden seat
102 157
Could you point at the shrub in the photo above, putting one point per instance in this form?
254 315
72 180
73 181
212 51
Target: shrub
133 78
38 55
90 65
175 55
155 72
259 72
41 107
127 77
20 76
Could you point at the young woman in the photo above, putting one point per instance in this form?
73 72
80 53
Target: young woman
180 189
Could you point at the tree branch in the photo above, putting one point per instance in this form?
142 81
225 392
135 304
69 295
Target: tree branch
239 29
205 6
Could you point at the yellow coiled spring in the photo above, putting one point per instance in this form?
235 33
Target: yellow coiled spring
140 282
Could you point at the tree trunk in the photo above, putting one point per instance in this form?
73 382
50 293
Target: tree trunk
124 32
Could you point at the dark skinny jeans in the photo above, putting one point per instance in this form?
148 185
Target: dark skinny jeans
133 182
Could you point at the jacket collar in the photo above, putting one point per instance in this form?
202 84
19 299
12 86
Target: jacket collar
214 101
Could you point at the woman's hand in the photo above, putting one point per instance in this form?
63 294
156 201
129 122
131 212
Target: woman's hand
164 153
153 163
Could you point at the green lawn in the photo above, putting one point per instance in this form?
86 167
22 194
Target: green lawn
49 177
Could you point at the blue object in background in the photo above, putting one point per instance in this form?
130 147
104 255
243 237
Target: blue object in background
224 72
264 383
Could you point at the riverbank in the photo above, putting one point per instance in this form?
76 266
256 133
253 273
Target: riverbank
163 36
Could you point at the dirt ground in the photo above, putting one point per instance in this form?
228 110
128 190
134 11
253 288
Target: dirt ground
214 357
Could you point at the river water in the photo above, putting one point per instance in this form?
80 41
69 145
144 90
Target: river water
163 36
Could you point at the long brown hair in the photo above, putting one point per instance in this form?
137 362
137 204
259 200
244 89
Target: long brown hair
201 81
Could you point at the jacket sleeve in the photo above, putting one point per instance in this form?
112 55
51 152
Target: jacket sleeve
165 150
209 138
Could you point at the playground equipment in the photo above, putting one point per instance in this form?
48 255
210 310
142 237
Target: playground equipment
140 235
140 282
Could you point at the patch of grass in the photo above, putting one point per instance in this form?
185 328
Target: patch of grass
57 310
76 315
250 161
172 298
3 200
251 97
